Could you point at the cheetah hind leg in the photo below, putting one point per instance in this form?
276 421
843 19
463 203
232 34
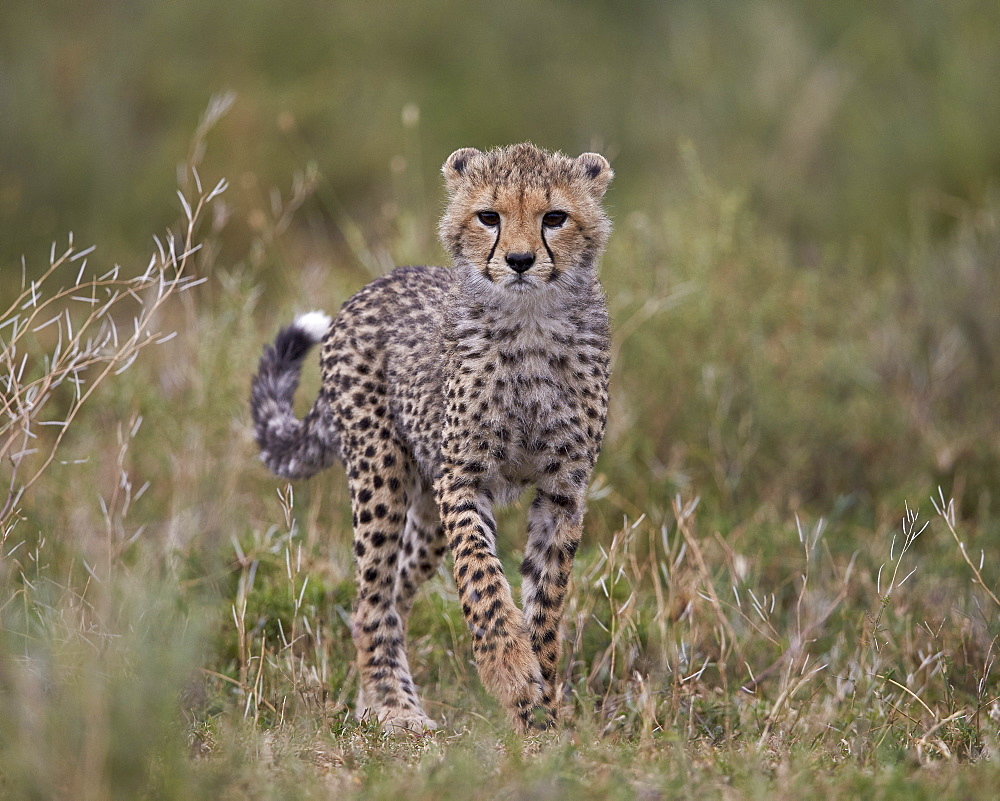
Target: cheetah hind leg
412 721
424 546
379 505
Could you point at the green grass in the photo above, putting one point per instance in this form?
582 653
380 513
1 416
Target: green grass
805 376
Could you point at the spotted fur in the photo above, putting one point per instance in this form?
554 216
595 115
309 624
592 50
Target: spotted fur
447 391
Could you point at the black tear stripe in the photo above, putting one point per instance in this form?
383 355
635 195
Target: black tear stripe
457 238
486 270
555 272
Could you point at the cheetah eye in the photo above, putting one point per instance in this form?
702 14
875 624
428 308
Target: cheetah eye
554 219
489 218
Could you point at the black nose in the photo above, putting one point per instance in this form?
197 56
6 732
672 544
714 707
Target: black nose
520 262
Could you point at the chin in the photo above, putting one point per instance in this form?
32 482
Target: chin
520 284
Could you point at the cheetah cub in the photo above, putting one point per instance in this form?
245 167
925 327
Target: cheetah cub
446 391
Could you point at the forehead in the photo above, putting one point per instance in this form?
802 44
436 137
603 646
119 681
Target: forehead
520 178
521 165
512 197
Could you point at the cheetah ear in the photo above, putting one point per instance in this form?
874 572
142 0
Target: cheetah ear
596 170
456 165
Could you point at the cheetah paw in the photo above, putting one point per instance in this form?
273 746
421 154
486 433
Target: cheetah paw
411 723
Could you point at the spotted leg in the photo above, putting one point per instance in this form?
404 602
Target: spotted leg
379 505
423 548
554 528
506 661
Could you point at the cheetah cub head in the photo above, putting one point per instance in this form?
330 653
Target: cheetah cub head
526 220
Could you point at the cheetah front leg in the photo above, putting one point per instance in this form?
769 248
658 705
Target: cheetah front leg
505 658
555 523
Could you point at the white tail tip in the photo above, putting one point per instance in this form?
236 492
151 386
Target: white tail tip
313 324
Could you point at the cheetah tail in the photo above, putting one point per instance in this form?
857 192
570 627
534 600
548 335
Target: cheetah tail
290 447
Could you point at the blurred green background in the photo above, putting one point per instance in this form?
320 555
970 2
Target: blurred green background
837 118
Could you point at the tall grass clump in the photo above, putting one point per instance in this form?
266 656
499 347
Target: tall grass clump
95 638
821 382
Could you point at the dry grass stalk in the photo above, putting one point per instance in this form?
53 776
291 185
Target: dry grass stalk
75 328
